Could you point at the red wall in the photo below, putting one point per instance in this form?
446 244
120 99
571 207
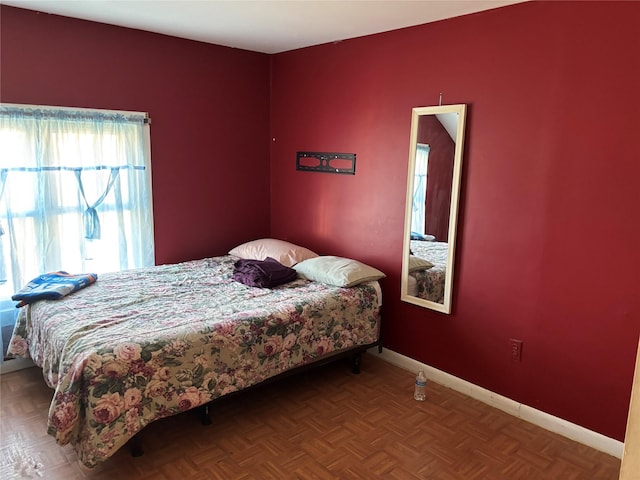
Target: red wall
440 177
209 107
547 248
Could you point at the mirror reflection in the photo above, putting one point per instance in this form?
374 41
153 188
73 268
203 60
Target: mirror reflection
433 184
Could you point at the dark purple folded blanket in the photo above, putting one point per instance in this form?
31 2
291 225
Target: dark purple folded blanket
265 273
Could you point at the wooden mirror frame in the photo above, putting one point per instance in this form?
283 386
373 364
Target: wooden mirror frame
417 113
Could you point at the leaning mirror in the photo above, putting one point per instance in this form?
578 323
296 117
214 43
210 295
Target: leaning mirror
433 187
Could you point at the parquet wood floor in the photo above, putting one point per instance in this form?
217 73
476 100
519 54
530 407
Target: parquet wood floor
323 424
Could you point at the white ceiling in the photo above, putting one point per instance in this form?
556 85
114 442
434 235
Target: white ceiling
267 26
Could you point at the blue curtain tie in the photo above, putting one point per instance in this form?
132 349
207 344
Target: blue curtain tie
91 224
91 220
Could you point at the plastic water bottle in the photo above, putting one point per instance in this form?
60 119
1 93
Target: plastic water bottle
420 392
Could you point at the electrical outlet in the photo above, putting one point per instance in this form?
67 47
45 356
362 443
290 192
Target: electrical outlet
516 349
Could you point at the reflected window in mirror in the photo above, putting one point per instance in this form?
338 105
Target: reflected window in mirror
420 190
433 183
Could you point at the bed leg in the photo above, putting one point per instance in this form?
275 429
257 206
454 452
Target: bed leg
356 363
205 418
136 446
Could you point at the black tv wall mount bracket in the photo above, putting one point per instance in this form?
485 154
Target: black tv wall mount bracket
327 162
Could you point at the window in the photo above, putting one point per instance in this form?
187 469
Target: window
75 193
420 189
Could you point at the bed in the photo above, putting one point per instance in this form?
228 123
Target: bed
428 283
140 345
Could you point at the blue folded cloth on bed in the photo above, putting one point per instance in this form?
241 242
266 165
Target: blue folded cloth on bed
51 286
265 273
422 236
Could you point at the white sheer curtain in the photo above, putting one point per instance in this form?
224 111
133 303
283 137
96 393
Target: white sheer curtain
420 189
75 193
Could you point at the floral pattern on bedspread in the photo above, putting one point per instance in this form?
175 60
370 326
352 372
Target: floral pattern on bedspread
145 344
430 283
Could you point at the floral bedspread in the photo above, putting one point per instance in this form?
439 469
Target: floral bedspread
144 344
430 283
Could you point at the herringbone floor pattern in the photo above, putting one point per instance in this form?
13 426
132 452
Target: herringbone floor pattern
323 424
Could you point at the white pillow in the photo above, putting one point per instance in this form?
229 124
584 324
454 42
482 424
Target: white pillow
338 271
417 263
286 253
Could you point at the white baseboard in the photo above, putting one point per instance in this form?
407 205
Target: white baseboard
8 366
548 422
